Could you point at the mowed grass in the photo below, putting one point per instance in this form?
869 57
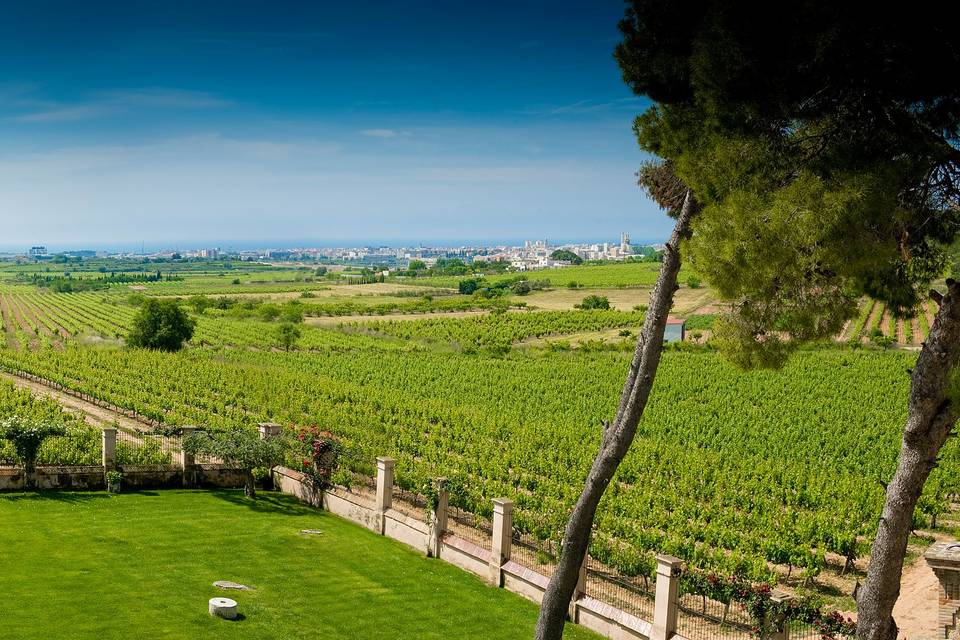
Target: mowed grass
141 565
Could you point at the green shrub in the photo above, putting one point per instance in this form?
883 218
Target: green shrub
114 481
594 302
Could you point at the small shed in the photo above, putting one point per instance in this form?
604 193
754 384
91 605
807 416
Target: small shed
675 330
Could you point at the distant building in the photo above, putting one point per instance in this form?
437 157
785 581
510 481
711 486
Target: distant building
674 331
624 243
36 252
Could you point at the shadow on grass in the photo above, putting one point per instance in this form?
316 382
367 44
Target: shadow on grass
71 497
266 502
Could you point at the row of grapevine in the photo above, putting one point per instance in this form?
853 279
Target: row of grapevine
502 329
874 319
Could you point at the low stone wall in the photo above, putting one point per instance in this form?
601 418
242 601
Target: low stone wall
218 476
93 478
351 507
76 478
465 555
151 477
297 484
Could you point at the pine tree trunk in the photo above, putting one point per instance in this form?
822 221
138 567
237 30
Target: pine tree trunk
617 436
930 417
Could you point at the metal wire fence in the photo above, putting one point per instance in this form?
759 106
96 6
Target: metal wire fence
702 618
470 527
633 594
136 448
801 631
539 555
410 504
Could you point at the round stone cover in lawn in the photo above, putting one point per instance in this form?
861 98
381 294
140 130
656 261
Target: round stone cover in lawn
223 607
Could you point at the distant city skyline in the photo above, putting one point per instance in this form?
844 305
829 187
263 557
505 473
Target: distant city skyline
148 247
250 121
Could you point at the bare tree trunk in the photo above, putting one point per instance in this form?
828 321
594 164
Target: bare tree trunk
617 437
30 470
249 485
930 417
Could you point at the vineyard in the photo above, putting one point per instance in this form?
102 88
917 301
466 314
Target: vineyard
874 322
730 470
502 329
766 474
34 320
81 445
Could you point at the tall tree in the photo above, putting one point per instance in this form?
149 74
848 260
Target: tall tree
161 325
619 434
822 142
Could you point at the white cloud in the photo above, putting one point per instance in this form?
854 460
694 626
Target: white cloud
108 103
165 99
63 114
585 107
384 133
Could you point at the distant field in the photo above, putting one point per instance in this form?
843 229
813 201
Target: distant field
502 330
36 320
685 300
617 274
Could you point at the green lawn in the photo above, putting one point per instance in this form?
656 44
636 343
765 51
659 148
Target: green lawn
141 565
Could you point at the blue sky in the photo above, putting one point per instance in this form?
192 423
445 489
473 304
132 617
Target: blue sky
239 122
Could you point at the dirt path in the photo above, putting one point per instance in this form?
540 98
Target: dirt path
9 332
875 313
94 415
916 609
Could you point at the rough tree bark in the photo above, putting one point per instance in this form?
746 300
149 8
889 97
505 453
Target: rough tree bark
930 416
617 436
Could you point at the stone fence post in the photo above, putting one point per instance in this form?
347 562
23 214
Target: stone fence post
944 559
580 590
187 461
502 544
109 449
667 598
268 429
778 628
385 468
438 519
